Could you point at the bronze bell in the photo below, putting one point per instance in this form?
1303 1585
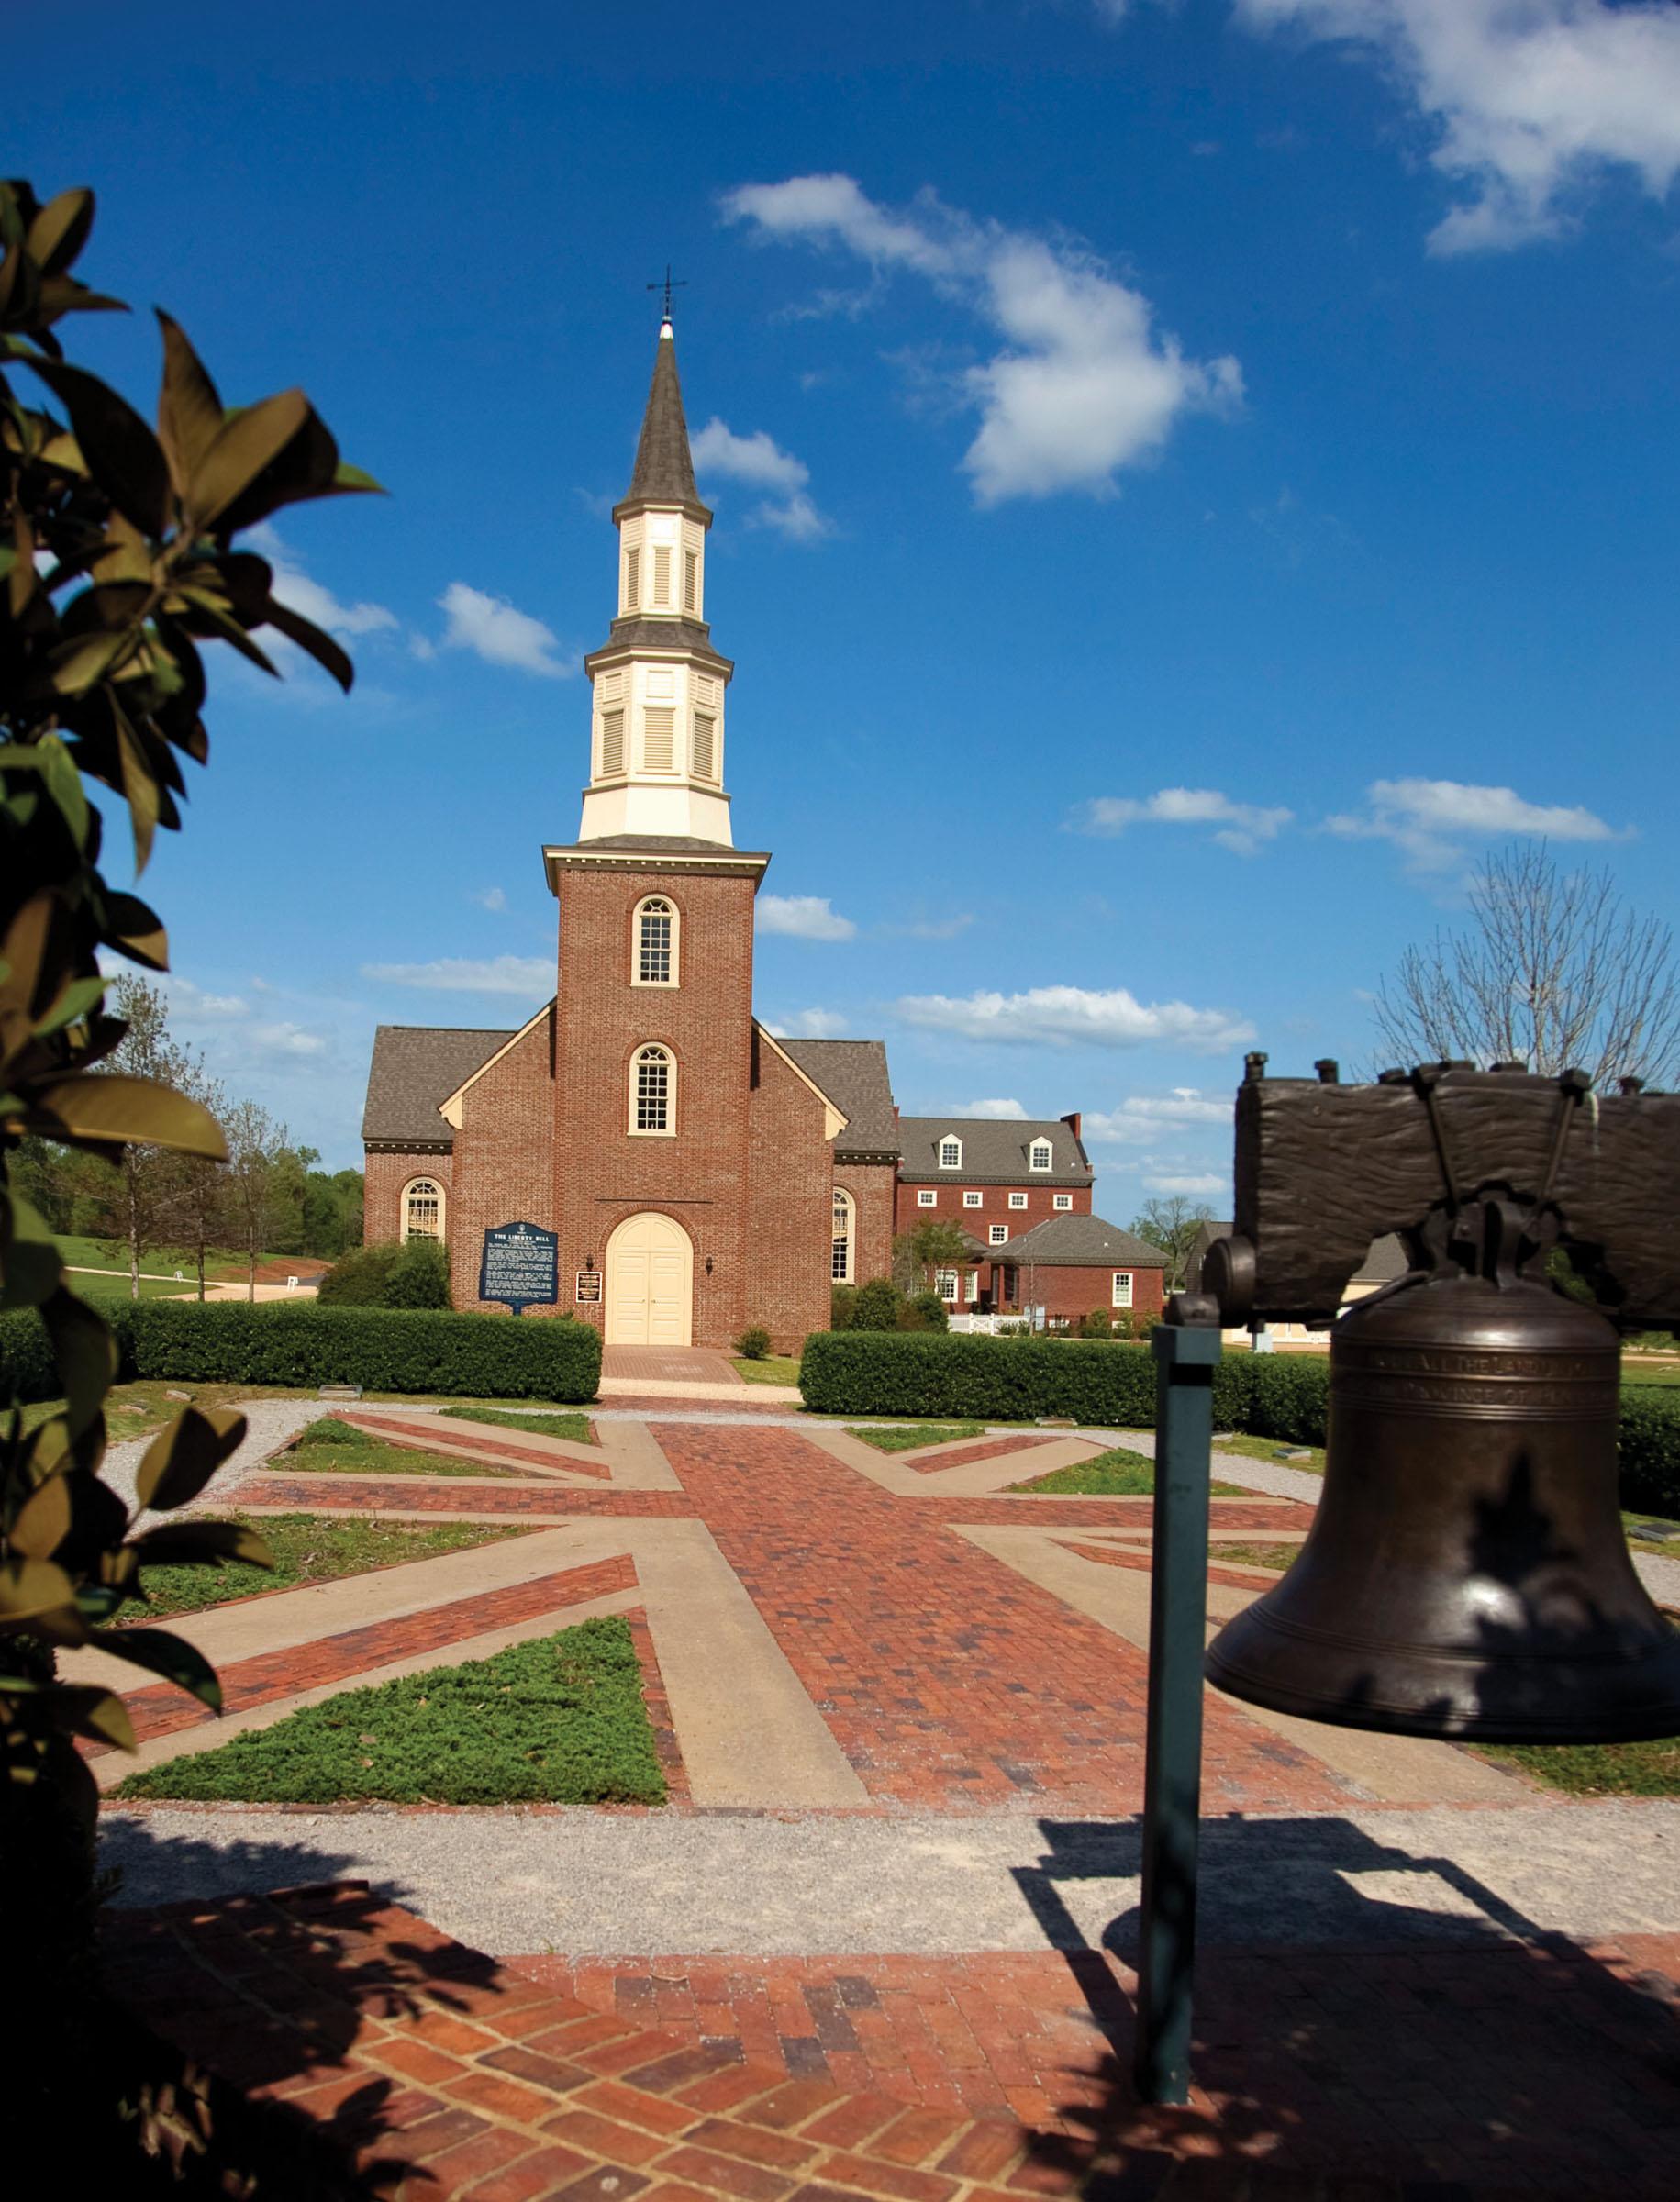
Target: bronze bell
1466 1574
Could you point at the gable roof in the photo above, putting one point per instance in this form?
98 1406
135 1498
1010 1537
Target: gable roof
415 1070
853 1074
994 1150
1078 1242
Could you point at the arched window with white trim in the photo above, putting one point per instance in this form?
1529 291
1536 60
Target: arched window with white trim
422 1208
658 930
843 1263
654 1092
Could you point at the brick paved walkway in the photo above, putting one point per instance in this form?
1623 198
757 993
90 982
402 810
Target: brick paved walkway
953 1651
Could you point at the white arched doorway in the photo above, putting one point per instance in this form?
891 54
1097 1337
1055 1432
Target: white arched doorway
650 1283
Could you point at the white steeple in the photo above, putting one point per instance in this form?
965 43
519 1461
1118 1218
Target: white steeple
656 751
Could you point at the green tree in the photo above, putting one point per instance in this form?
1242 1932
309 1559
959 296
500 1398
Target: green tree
138 1194
1172 1225
919 1254
262 1187
118 559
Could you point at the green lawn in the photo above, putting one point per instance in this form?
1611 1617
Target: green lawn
84 1252
556 1721
1255 1555
775 1368
115 1285
578 1427
1119 1473
138 1411
307 1548
366 1457
904 1436
1271 1449
1597 1769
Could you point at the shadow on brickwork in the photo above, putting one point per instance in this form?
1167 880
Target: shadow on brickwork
230 2002
1444 2047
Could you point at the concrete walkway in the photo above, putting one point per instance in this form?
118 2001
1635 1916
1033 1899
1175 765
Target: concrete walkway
614 1883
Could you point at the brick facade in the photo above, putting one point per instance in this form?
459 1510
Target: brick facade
790 1203
604 1173
386 1174
504 1155
951 1207
873 1190
1074 1293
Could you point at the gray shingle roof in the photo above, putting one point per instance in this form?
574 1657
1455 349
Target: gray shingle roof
664 469
414 1069
1078 1242
853 1074
994 1150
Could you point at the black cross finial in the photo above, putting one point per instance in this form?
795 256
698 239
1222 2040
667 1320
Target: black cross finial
668 286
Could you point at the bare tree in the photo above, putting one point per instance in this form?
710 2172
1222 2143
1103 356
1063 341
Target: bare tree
136 1194
1172 1225
255 1185
1552 968
196 1199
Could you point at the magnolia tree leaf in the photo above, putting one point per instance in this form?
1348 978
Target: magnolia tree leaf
137 930
30 1268
84 1710
60 230
43 1522
181 1459
123 455
86 1356
32 1590
190 410
248 441
112 1106
171 1656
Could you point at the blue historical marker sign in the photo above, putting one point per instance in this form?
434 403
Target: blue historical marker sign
520 1266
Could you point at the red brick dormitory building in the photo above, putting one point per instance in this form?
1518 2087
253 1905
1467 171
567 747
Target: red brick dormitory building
699 1173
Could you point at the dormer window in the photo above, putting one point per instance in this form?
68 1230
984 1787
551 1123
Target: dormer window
1038 1154
950 1154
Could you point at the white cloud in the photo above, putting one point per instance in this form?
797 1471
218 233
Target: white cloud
1197 1186
1082 386
1061 1014
1238 826
1431 820
996 1111
810 1024
308 598
283 1038
468 974
1530 101
496 632
760 462
802 918
491 898
192 1006
1142 1119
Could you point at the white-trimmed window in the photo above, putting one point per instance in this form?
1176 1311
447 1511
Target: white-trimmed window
658 925
612 742
971 1289
973 1200
658 737
1122 1288
706 746
422 1208
845 1231
950 1154
927 1198
654 1092
632 576
945 1284
661 575
1039 1155
691 581
998 1234
1018 1200
1064 1201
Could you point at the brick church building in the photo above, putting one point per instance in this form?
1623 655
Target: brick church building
699 1173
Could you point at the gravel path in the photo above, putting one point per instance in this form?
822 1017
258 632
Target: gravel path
602 1884
272 1423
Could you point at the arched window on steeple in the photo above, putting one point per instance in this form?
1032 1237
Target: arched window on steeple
653 1093
657 924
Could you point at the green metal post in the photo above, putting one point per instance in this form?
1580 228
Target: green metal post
1173 1766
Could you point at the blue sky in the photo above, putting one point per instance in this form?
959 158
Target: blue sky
1267 399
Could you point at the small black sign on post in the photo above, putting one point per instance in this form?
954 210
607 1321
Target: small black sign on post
520 1266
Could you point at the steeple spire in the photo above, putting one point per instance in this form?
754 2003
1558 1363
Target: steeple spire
656 746
664 469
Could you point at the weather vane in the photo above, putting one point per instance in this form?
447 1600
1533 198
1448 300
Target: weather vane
668 286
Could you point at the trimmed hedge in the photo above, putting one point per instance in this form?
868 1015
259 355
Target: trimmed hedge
1109 1385
27 1368
381 1349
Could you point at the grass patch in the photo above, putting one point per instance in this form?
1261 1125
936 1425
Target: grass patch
1117 1474
557 1721
370 1456
307 1548
775 1368
141 1410
904 1436
329 1430
578 1427
1255 1555
1274 1450
1663 1538
1635 1372
1597 1769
